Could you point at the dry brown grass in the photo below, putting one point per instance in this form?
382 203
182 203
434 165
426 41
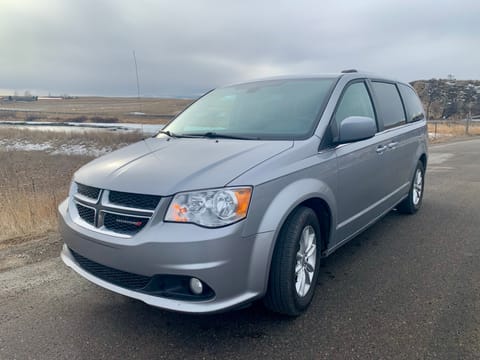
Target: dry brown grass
453 129
27 212
100 138
94 109
33 183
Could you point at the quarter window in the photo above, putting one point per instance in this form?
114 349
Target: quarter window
389 104
412 103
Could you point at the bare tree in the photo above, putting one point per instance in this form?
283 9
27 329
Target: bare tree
433 93
450 96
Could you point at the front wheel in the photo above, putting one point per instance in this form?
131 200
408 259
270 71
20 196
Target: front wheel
295 264
413 201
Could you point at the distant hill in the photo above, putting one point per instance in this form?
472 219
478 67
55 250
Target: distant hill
449 98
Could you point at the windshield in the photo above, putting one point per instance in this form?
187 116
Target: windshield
277 109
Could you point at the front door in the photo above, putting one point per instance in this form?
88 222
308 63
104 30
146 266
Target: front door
362 168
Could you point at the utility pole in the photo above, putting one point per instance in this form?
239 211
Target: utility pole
138 82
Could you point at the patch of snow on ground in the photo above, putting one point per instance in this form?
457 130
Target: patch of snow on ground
73 126
24 145
63 149
80 149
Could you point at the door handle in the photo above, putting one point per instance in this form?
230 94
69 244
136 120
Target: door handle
393 145
381 149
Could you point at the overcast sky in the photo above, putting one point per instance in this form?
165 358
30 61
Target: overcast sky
84 47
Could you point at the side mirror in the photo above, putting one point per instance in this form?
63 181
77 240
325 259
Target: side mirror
355 128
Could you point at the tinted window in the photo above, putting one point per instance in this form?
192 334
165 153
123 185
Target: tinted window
355 102
412 103
389 104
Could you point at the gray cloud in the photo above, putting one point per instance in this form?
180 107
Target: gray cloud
186 47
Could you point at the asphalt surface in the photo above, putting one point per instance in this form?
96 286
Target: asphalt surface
407 288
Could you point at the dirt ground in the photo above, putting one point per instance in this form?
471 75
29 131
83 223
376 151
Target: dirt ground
24 250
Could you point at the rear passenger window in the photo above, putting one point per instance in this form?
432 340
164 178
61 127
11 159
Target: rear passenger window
389 104
355 102
412 103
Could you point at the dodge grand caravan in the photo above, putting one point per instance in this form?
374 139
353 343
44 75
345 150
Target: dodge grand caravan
243 193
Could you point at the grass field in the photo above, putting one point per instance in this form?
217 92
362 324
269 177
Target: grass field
444 131
94 109
33 183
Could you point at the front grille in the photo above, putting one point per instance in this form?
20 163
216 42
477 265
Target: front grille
86 213
123 224
116 212
139 201
88 191
120 278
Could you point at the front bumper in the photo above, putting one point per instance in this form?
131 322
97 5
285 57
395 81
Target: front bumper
235 267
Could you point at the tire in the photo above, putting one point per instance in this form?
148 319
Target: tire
413 201
287 293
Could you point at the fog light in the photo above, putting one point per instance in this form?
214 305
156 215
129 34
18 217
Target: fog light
196 286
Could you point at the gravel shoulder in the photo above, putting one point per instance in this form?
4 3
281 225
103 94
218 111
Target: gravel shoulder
21 251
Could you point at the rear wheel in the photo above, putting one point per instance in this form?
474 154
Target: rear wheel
413 201
295 264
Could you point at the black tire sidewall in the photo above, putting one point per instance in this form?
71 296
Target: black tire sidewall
417 206
281 294
309 218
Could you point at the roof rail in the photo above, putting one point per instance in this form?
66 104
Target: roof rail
347 71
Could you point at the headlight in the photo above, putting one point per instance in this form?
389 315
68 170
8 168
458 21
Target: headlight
211 208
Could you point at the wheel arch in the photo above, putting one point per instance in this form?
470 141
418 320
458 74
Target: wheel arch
275 204
423 160
309 192
324 216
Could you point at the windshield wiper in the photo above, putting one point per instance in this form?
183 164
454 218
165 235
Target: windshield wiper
214 135
171 134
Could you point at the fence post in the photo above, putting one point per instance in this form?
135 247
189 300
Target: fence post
467 123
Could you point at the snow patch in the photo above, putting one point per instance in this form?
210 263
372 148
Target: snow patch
63 149
80 149
24 145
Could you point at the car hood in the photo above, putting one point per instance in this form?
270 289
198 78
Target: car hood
162 166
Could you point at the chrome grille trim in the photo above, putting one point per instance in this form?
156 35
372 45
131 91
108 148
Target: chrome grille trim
102 206
83 198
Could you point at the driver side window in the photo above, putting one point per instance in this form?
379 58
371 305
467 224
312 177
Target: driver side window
355 102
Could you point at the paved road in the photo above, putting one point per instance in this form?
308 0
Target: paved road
407 288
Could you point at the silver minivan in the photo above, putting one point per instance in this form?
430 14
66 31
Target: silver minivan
243 193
